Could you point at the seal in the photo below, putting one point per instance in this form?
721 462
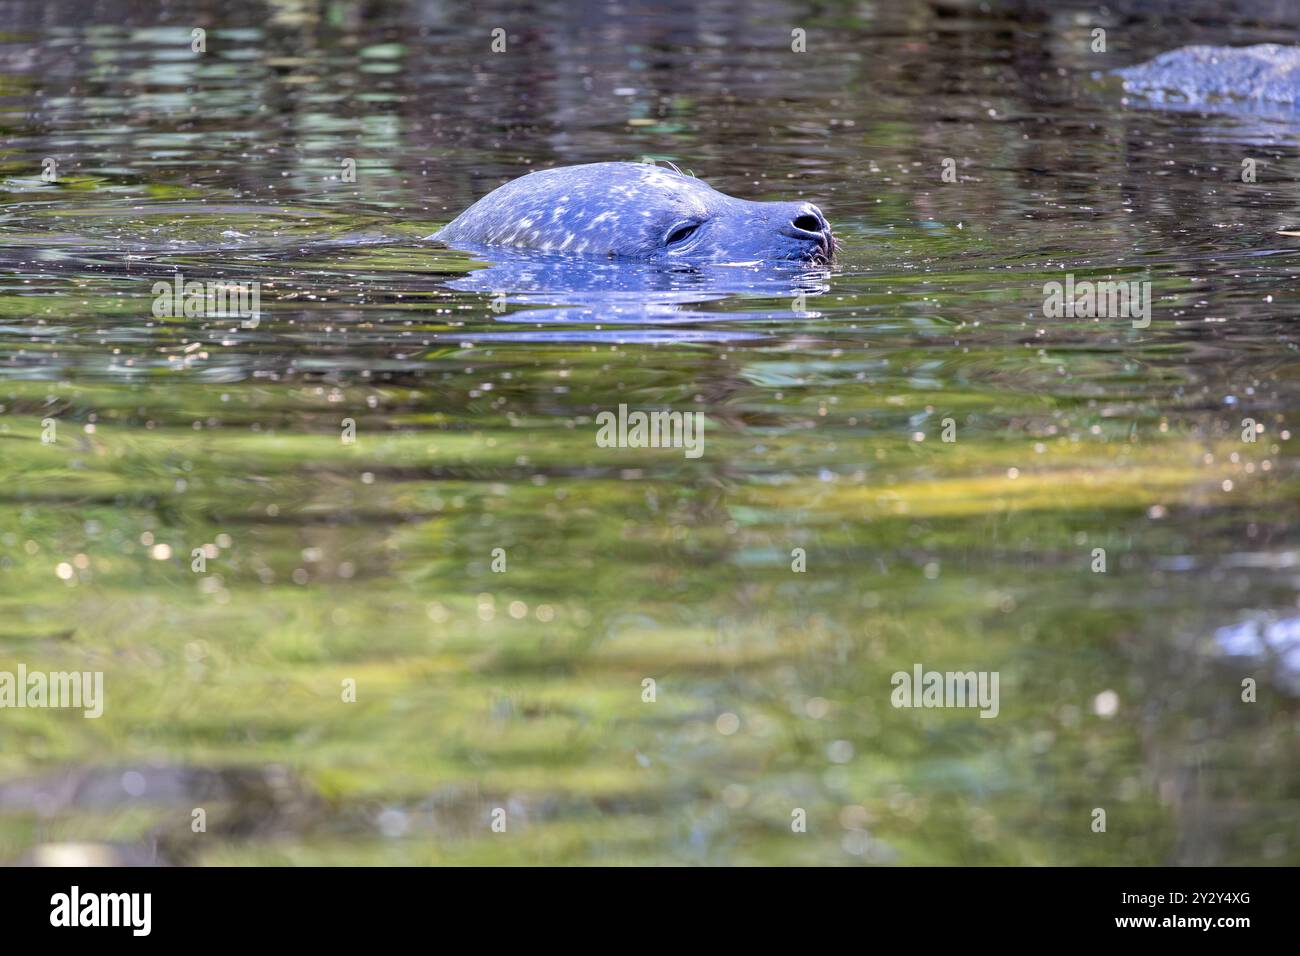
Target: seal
640 211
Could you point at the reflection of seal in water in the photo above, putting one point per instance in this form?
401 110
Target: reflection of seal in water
639 211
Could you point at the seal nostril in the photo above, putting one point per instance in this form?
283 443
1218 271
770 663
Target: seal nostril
808 223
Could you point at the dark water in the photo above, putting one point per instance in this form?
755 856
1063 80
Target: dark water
474 393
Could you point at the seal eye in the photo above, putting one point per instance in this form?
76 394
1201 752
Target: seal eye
681 233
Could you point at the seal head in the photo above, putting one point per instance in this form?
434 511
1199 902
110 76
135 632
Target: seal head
639 211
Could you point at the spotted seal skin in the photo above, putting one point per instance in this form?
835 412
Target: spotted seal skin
639 211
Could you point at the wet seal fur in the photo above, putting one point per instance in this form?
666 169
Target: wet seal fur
640 211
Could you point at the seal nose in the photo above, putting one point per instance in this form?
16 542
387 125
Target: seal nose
809 223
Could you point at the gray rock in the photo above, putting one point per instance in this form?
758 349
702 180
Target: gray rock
1215 75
